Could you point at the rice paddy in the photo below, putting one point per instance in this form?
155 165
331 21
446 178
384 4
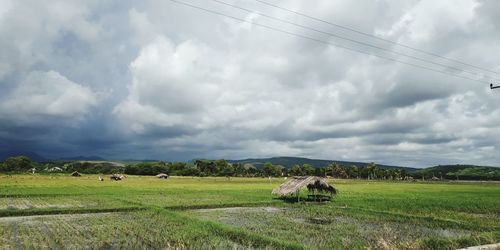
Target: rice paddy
56 211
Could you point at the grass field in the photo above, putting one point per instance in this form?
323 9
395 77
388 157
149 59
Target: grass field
56 211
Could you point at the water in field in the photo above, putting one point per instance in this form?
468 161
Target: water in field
131 230
147 213
321 231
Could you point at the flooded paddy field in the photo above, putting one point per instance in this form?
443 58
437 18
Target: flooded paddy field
217 213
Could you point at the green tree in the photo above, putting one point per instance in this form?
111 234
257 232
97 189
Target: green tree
307 169
17 164
296 170
239 169
396 174
372 169
379 173
403 173
352 171
272 170
279 170
176 168
364 173
206 167
320 172
336 171
227 170
268 169
250 170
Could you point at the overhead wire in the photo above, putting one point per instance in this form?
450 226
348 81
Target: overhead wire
352 40
377 37
324 42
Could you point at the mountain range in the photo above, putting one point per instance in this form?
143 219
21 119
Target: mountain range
32 155
289 162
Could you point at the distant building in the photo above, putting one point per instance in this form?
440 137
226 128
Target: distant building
162 176
55 169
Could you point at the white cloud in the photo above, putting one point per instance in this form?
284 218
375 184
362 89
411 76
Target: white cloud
202 85
296 97
47 94
192 84
144 30
419 24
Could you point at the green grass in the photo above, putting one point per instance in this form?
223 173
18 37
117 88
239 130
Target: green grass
372 214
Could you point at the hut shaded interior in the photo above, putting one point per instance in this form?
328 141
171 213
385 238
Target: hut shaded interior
315 185
76 174
162 176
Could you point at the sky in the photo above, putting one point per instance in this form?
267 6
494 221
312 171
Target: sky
162 80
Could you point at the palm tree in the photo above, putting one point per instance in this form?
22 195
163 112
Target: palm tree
352 171
372 168
336 170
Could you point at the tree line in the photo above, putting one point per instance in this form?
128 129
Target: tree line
370 171
221 167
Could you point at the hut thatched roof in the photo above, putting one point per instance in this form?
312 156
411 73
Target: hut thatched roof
76 174
297 183
55 169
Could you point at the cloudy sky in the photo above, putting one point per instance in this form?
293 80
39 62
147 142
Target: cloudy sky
158 79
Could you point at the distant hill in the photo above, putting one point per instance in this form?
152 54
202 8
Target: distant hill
84 158
461 172
288 162
135 161
32 155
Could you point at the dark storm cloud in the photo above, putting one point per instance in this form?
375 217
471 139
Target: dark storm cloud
395 138
154 79
409 93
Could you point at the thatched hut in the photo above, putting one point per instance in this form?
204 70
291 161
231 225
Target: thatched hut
116 177
55 169
316 186
162 176
76 174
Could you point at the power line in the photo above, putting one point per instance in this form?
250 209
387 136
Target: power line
351 40
376 37
324 42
